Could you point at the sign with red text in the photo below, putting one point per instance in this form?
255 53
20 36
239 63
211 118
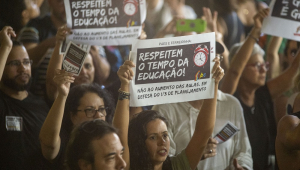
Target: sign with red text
105 22
74 57
170 70
284 19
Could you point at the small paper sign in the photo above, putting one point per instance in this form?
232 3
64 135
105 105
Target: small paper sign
228 131
74 57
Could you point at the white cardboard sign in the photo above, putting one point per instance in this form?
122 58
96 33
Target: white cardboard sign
284 19
105 22
170 70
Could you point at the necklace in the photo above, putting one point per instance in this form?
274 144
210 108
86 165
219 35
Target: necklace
252 109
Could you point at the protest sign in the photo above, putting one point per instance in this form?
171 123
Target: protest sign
228 131
74 57
171 70
283 20
105 22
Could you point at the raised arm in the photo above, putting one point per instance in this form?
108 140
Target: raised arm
55 63
49 134
273 57
205 122
240 59
102 67
285 80
5 46
121 117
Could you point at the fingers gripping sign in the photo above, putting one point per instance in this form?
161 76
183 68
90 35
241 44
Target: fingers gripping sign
217 70
63 80
125 72
211 148
62 32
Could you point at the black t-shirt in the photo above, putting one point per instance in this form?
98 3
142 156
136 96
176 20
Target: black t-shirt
261 127
21 122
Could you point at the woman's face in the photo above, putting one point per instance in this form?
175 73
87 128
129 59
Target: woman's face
87 72
291 51
253 74
157 141
89 103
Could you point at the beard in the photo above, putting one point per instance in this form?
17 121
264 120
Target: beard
13 84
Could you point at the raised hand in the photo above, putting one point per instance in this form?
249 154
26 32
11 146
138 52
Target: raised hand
62 32
211 20
125 72
63 80
5 36
217 70
211 148
258 18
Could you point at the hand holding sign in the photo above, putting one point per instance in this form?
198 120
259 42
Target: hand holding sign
125 72
61 34
63 80
217 70
258 18
211 149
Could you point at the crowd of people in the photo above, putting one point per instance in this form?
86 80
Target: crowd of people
52 119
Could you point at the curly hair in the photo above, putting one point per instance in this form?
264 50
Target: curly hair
73 101
137 135
79 146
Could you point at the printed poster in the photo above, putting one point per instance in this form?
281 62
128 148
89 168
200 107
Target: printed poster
105 22
227 132
284 19
74 58
170 70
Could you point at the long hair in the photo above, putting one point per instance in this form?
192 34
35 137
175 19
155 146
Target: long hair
79 146
73 101
137 135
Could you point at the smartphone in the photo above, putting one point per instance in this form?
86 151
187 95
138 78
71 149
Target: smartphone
191 25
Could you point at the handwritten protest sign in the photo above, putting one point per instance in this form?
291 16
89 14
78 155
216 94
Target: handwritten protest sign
105 22
284 20
171 70
74 58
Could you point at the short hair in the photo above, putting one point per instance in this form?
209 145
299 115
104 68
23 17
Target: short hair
79 146
73 101
137 135
256 50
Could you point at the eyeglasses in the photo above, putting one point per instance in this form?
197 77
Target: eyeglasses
91 112
17 63
259 66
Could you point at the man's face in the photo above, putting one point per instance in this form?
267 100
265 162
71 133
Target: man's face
17 77
108 153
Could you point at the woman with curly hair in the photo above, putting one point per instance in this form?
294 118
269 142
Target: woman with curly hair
145 138
84 102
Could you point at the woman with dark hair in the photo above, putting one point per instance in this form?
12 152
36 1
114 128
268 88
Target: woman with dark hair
95 68
146 141
84 102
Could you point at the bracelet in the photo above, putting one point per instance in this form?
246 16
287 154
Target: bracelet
251 36
123 95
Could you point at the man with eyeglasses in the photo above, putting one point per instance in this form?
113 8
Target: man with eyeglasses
21 113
